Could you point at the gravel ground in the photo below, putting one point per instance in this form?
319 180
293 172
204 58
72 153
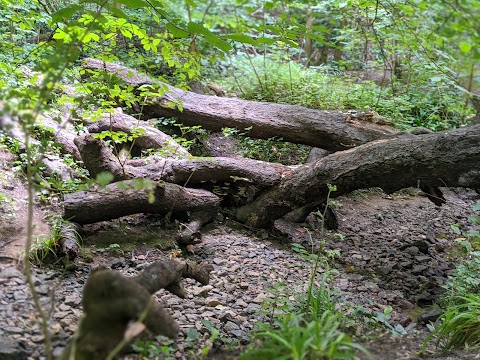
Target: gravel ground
395 252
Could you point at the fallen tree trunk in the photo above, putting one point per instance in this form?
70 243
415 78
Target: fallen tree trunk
120 199
146 137
97 158
327 129
450 158
118 308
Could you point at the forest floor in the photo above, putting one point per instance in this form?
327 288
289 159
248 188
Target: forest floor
396 250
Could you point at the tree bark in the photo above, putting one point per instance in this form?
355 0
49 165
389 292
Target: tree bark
97 158
147 137
450 158
114 201
332 130
112 303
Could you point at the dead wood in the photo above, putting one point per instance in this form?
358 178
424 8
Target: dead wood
98 157
450 158
316 154
69 241
124 198
328 129
191 231
112 302
63 135
147 136
53 165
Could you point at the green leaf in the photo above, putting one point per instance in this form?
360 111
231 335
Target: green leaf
176 31
122 185
266 41
151 197
90 36
465 47
104 178
476 207
66 12
126 33
114 10
133 4
242 38
455 229
211 38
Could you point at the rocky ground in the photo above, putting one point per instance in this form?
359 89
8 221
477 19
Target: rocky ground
394 251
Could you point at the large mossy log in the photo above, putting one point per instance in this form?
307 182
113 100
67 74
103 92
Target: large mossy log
449 158
332 130
112 303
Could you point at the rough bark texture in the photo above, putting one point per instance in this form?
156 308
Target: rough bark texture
330 130
191 231
449 158
149 138
111 302
52 163
97 157
85 207
63 135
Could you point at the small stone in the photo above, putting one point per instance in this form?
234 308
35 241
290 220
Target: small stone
203 291
412 250
259 299
421 259
251 308
231 326
66 321
37 338
117 263
218 261
10 350
14 330
244 285
57 351
241 303
237 333
63 307
19 295
206 314
60 314
43 290
384 270
73 300
10 272
212 302
227 315
55 328
431 315
419 269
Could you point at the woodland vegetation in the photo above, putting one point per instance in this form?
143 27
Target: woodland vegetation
259 107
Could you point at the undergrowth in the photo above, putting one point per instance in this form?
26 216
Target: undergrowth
307 325
459 324
434 105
